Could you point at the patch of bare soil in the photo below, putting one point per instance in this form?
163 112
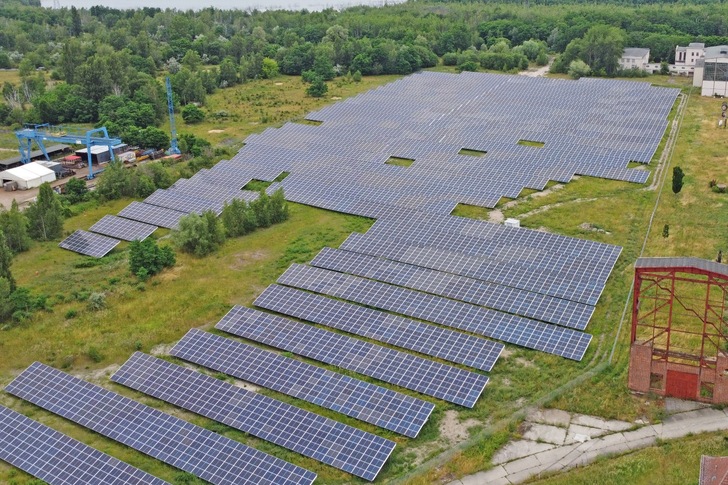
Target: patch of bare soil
454 430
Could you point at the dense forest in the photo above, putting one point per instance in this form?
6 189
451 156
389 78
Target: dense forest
102 65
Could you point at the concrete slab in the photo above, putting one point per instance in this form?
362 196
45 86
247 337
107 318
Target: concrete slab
675 406
642 442
554 417
586 430
644 432
496 475
594 422
547 433
518 466
550 457
576 438
518 449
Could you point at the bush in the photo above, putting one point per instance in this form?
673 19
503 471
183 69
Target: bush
94 354
192 114
677 179
468 66
71 314
76 191
97 301
666 230
199 234
578 69
146 258
45 215
542 59
238 218
450 59
356 76
318 88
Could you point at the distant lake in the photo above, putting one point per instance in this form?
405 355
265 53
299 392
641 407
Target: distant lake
221 4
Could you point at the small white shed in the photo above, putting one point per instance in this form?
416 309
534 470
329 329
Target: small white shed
29 175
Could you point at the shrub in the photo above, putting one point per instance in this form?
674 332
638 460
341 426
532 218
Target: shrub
677 179
94 354
76 191
468 66
71 314
578 69
450 59
199 234
192 114
45 215
146 258
318 88
356 76
666 230
97 301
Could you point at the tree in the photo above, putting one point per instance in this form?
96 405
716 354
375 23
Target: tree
146 258
6 259
356 77
151 137
228 73
269 68
76 190
199 234
677 179
578 68
76 28
278 207
192 60
192 114
602 47
15 226
238 218
542 59
317 88
45 215
664 68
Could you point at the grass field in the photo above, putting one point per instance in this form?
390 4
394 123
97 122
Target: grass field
675 462
197 292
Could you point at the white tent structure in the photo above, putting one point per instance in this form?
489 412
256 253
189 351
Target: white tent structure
28 176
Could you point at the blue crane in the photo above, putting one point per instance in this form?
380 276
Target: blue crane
173 148
45 132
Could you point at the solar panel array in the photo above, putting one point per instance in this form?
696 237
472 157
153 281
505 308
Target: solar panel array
499 297
370 403
464 316
593 127
124 229
58 459
90 244
406 370
385 327
207 455
344 447
152 214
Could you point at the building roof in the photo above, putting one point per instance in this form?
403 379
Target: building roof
697 263
696 45
713 470
52 150
635 52
29 171
716 51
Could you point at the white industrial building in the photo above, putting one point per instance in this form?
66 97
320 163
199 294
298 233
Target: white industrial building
711 72
28 176
635 58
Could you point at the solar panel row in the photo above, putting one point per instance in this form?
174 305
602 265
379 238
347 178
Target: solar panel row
58 459
124 229
464 316
422 375
370 403
188 447
90 244
350 449
499 297
385 327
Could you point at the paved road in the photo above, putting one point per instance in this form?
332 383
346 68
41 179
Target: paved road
579 454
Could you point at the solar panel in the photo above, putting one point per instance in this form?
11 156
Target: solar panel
385 327
152 214
406 370
124 229
180 201
370 403
90 244
58 459
483 321
499 297
344 447
212 457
